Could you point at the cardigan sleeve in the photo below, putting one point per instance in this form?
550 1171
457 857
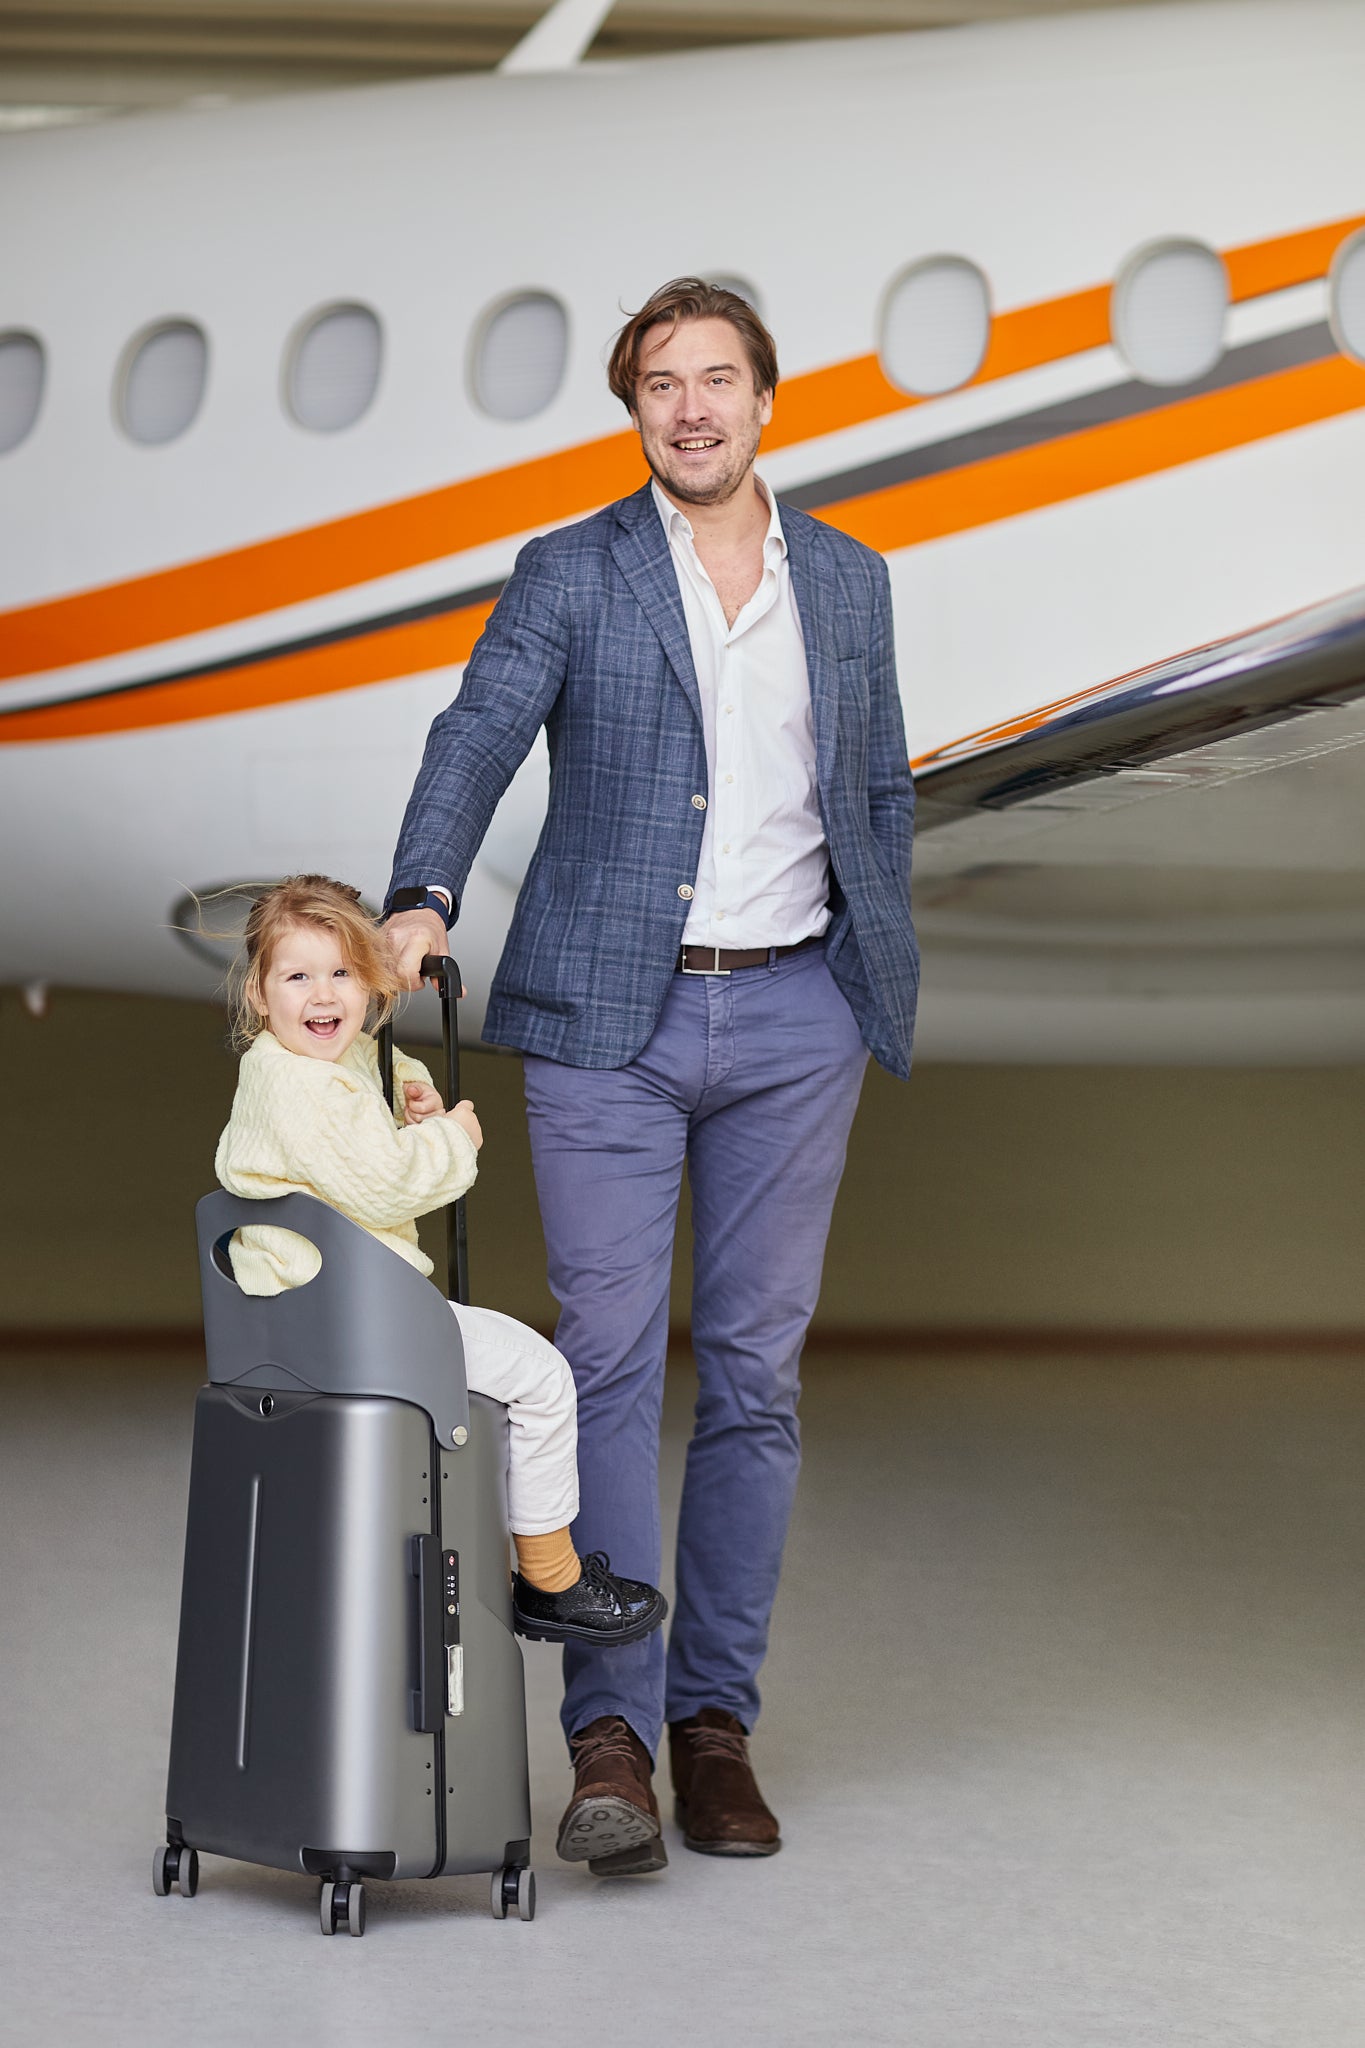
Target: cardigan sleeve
364 1058
338 1138
406 1069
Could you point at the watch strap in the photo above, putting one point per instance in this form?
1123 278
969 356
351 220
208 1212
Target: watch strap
421 899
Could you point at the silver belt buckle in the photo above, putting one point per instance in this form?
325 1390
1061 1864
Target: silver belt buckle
714 951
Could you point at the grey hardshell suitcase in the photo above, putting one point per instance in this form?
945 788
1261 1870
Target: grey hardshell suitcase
349 1696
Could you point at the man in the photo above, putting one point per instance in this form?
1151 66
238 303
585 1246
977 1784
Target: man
713 932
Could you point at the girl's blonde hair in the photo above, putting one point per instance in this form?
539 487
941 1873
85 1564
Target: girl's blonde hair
331 906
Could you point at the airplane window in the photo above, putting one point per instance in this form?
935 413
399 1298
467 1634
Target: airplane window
23 369
521 351
1167 312
161 387
1348 297
332 371
934 326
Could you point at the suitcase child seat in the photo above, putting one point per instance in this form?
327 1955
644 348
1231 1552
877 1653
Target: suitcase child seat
349 1695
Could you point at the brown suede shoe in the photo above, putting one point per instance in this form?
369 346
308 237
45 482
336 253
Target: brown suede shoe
717 1803
612 1821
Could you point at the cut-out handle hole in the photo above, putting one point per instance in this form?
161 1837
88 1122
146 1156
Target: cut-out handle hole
270 1253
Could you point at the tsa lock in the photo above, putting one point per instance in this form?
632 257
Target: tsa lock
439 1694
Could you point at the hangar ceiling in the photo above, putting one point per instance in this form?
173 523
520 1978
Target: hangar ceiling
63 60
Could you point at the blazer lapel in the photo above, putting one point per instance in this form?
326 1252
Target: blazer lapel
814 587
640 547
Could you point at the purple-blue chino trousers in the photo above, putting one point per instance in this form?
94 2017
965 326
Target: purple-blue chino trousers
753 1078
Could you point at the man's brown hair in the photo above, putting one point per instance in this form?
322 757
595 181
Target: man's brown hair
690 298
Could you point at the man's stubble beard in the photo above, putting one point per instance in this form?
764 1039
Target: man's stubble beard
725 488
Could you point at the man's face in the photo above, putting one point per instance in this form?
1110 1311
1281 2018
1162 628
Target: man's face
697 411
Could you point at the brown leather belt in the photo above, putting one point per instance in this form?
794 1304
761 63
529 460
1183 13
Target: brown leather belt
710 959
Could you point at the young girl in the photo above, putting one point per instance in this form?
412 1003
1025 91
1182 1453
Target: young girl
310 1117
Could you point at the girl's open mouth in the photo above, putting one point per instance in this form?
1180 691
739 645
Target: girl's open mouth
323 1027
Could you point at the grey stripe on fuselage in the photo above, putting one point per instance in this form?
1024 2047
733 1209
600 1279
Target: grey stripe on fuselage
1070 416
1290 350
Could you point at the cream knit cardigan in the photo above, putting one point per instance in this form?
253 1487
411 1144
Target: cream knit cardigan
322 1127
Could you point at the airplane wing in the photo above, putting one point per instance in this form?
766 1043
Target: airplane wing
1148 727
1188 837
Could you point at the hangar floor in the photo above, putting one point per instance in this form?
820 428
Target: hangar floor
1063 1723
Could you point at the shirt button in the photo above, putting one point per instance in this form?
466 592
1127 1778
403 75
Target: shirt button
686 891
699 803
729 711
720 917
729 778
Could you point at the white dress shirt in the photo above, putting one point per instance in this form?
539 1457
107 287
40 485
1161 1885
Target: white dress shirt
763 875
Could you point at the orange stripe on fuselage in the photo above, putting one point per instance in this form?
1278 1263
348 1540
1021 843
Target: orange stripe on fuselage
1273 266
823 401
1075 465
170 604
317 561
979 494
379 657
848 394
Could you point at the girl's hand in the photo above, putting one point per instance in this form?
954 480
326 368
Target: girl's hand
463 1115
420 1101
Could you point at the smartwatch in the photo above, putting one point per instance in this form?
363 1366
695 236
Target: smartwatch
421 899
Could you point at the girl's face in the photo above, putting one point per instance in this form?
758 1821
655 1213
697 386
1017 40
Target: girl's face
313 1003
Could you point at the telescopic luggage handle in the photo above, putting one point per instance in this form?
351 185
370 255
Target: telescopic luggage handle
440 969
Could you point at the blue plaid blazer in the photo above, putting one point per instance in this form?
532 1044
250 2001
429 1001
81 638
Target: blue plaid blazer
589 640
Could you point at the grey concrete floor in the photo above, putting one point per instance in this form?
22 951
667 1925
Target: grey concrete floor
1065 1722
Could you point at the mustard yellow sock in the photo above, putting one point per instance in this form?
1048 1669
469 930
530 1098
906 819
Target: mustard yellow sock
549 1562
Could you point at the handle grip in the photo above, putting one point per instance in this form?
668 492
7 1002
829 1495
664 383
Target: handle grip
441 969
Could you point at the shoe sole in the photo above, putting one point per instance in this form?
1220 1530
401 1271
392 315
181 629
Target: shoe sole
721 1848
570 1632
596 1829
733 1848
631 1862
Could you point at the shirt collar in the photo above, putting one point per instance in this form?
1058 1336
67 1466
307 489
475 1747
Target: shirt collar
676 521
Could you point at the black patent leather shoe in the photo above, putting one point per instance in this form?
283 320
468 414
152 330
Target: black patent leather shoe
597 1608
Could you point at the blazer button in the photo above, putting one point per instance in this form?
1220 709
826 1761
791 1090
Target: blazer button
699 803
686 891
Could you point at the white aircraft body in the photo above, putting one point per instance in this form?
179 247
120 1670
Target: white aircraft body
1071 317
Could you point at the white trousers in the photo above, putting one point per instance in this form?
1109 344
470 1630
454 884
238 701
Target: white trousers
511 1363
